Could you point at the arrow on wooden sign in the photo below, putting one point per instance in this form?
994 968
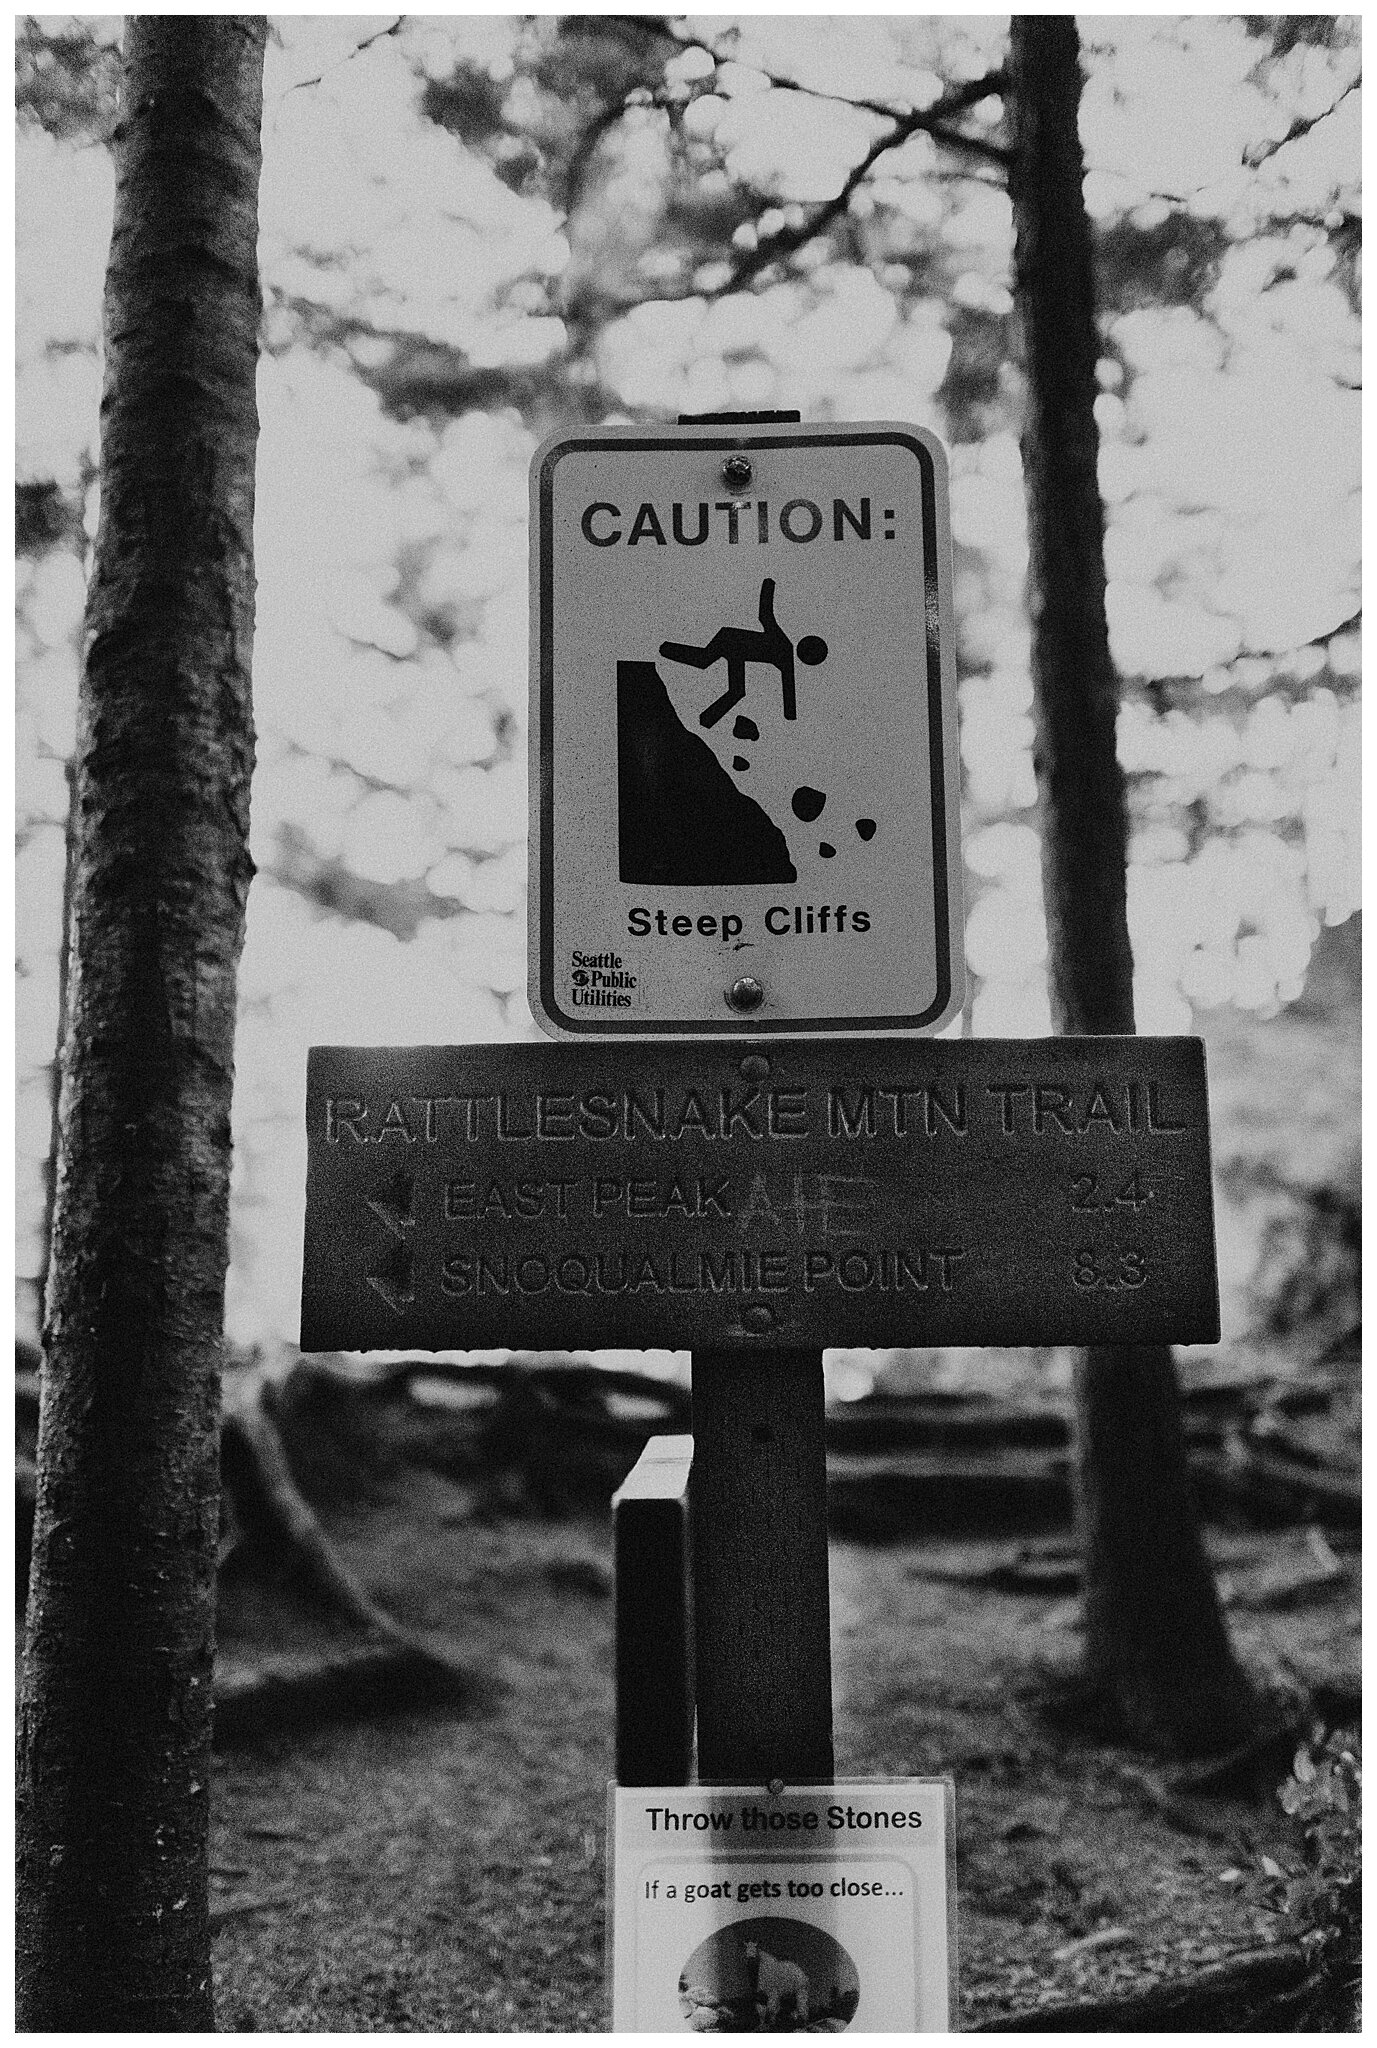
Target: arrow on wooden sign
395 1279
393 1203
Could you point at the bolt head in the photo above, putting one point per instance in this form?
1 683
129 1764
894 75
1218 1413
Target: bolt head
736 471
745 994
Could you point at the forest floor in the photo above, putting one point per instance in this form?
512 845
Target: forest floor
441 1867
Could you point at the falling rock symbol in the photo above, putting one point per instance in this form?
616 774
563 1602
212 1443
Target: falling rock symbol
394 1279
392 1204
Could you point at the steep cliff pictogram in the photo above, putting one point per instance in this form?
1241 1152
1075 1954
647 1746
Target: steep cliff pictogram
681 818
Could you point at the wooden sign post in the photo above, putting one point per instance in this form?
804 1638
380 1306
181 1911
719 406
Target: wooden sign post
764 1664
745 884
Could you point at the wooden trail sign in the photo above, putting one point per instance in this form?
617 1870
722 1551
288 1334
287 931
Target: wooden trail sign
744 774
788 1194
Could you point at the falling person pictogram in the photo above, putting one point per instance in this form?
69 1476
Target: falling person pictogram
737 645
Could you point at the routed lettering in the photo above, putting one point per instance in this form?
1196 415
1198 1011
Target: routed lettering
757 1192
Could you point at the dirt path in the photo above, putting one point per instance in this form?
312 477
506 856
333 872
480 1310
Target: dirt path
430 1871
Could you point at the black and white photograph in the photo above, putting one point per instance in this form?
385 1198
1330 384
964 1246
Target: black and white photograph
688 1018
734 1984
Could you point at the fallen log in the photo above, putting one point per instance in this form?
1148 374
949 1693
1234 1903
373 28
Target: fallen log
391 1665
1275 1487
1042 1573
878 1498
269 1502
223 1910
374 1679
947 1422
1234 1995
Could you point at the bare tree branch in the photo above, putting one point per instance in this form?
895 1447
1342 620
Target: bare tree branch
1159 689
379 35
1302 125
925 120
582 159
889 110
978 145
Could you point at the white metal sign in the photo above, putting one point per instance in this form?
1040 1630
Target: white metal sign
816 1909
743 734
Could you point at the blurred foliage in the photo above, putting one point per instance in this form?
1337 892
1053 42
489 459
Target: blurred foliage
66 72
43 518
1324 1796
477 229
1173 261
1310 1261
1322 1900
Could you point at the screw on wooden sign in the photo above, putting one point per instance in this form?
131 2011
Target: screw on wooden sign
800 1193
743 732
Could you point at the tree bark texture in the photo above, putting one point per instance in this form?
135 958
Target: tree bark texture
1156 1644
1075 689
115 1702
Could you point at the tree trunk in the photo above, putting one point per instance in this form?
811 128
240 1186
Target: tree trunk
1156 1646
115 1703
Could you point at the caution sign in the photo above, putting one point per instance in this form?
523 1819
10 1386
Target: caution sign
743 734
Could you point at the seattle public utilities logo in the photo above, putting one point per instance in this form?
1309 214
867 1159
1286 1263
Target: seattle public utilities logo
599 981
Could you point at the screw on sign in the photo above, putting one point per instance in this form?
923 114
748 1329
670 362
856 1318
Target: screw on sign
743 732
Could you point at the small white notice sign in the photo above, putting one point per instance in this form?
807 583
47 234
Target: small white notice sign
820 1909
